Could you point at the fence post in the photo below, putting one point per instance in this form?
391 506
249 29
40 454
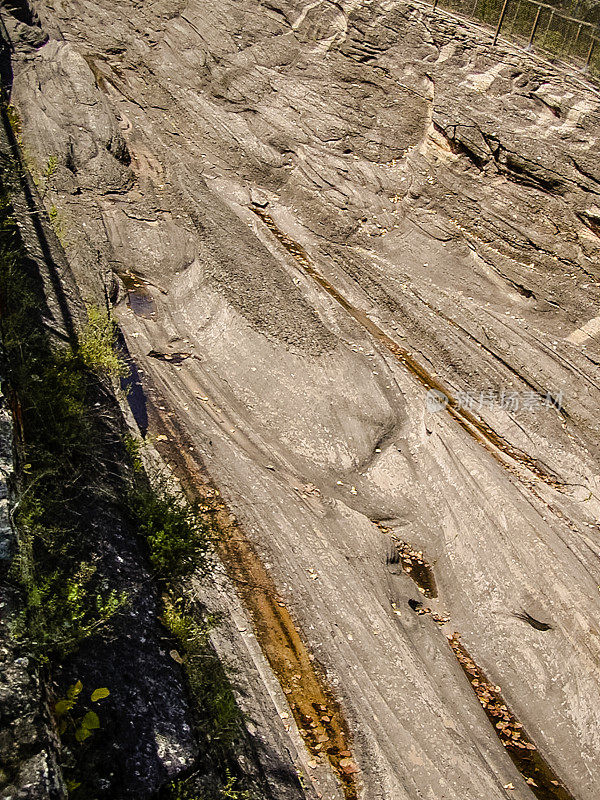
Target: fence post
534 28
589 55
500 21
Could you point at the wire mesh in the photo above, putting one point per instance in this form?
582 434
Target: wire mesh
569 32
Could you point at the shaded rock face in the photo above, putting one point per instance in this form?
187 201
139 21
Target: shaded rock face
28 745
447 193
146 737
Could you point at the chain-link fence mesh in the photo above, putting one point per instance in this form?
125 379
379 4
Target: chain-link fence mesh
569 32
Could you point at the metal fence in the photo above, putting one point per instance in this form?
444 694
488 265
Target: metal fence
539 27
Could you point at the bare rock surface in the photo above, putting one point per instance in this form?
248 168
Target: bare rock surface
313 198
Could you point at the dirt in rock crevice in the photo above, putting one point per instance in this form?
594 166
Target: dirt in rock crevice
538 774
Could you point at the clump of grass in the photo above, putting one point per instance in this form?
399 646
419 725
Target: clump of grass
179 540
231 790
97 344
218 717
44 183
177 536
50 168
59 225
16 124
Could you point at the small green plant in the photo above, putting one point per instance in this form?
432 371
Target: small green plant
43 184
59 226
16 123
178 537
134 449
50 168
231 790
80 724
14 119
97 344
61 610
219 717
182 626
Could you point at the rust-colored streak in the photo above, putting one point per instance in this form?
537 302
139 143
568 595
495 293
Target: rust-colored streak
540 777
476 428
317 713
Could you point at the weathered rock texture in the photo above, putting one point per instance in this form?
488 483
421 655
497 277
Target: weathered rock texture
448 191
28 743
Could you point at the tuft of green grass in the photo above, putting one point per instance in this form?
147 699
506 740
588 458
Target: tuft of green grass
97 344
50 168
16 124
220 718
178 537
59 225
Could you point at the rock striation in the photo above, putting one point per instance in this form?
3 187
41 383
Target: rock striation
333 209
